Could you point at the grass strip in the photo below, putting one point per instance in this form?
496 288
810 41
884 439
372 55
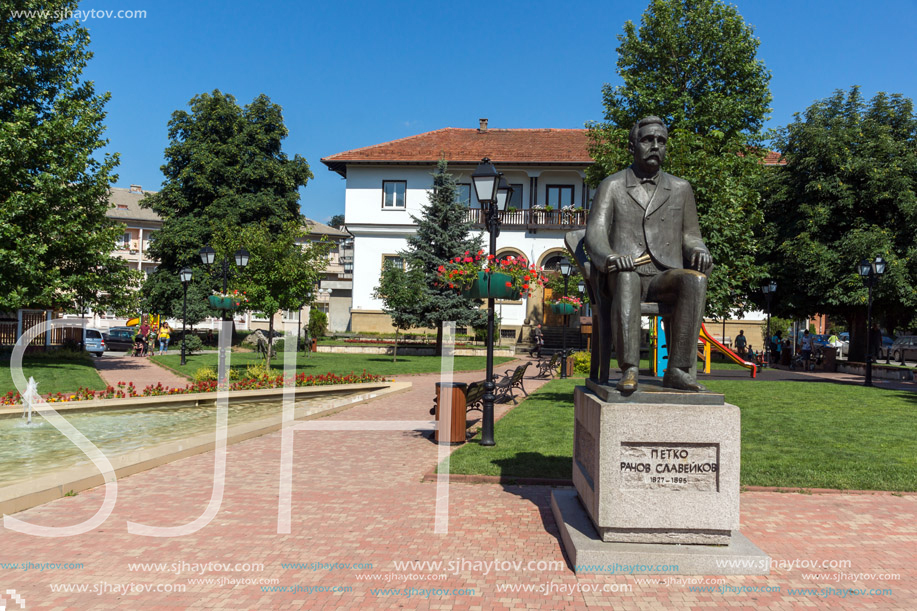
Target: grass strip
794 434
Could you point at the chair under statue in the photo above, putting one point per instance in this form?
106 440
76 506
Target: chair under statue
600 361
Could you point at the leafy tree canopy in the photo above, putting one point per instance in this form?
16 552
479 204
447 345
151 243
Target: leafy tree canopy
224 166
693 63
401 293
284 268
848 192
442 233
56 242
337 221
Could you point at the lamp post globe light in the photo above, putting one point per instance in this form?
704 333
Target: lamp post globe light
208 255
870 273
185 276
768 289
565 269
493 192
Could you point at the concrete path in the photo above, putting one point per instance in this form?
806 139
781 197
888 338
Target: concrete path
139 370
362 536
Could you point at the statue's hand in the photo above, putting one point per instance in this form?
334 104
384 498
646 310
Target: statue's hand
701 261
620 263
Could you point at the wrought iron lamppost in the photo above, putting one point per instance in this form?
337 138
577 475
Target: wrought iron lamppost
493 192
870 273
768 290
185 276
565 269
207 255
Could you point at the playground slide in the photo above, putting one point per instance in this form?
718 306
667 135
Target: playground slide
704 335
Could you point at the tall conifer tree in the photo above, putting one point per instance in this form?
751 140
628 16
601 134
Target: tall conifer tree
442 233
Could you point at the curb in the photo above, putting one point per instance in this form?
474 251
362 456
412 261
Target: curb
462 478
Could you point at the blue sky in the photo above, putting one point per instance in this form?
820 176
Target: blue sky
351 74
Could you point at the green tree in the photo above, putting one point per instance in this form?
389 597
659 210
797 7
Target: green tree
693 63
337 221
55 239
442 233
318 323
283 270
224 167
401 293
848 192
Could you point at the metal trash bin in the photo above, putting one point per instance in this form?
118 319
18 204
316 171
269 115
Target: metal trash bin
457 415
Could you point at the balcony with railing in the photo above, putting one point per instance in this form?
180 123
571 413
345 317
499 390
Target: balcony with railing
533 219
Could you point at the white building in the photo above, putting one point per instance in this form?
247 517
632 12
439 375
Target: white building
388 183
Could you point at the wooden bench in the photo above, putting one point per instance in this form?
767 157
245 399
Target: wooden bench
474 397
504 389
547 365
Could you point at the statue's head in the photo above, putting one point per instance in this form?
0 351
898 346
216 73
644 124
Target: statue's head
647 144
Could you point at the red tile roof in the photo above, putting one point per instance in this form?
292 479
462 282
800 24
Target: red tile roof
503 146
469 146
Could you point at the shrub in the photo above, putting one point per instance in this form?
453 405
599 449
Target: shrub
318 323
205 374
256 371
582 362
193 344
209 374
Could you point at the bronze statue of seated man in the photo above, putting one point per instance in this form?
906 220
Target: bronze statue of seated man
644 240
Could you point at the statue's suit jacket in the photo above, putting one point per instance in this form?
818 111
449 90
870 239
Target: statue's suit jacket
622 221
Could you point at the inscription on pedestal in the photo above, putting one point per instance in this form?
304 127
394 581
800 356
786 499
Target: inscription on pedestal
670 466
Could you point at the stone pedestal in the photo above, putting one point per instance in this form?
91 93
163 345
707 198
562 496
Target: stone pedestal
657 469
658 472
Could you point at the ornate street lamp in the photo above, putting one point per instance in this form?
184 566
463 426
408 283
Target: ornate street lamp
208 254
493 192
768 290
870 273
185 276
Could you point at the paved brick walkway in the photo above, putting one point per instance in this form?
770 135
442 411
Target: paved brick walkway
139 370
358 498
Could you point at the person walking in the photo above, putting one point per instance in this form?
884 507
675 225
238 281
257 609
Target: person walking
164 334
741 343
805 345
539 341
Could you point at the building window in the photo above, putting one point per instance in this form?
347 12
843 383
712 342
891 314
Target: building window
259 317
393 193
290 314
463 191
560 196
125 240
516 200
393 260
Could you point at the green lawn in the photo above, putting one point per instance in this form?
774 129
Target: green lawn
794 434
325 362
54 374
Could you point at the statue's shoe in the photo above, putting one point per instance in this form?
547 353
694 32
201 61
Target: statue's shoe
681 380
628 382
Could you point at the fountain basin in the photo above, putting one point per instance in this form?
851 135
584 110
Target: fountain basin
51 476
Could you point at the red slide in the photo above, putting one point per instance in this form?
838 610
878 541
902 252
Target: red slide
705 336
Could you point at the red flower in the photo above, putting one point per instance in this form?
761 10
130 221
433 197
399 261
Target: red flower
509 285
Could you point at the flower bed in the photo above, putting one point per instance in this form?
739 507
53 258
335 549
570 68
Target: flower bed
124 391
390 342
